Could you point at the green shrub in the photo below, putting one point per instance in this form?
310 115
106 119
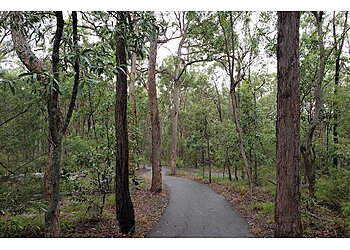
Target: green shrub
334 190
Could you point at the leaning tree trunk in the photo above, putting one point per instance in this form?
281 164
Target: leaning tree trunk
35 65
156 140
125 209
307 147
240 141
55 122
287 201
230 54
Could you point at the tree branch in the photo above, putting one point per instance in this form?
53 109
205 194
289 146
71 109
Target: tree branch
23 49
76 75
15 116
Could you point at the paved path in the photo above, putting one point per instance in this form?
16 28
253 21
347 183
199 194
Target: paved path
195 211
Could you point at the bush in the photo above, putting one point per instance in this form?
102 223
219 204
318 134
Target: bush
334 190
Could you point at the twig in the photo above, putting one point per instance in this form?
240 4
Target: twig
319 218
6 168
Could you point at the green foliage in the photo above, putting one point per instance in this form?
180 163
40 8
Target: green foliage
334 190
264 207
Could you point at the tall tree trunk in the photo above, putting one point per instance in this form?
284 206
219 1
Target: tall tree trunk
132 90
175 119
240 140
156 140
307 147
175 110
287 201
133 120
52 174
57 128
208 145
230 40
125 209
338 51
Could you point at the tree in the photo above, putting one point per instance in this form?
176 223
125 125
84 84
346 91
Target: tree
287 200
125 209
57 127
152 95
307 147
229 38
338 51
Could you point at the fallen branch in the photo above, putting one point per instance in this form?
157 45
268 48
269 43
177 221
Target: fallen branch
6 168
272 182
319 218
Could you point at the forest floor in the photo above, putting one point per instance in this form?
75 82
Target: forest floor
318 222
148 208
22 215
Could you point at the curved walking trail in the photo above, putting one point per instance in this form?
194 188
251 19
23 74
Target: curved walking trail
195 211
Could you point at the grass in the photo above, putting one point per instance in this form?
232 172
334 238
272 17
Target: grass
22 208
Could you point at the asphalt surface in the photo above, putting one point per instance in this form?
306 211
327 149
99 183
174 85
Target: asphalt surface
195 211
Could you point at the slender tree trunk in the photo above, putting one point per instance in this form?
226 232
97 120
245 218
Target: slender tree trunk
287 201
132 90
338 52
175 118
218 106
175 111
230 59
125 209
208 145
240 140
52 174
307 147
236 173
156 140
133 120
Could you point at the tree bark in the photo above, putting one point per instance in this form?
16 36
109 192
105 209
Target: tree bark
156 139
125 209
287 200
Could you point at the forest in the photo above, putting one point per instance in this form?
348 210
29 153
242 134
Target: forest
98 109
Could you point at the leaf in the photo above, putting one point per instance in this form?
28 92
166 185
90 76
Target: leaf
86 51
12 87
25 74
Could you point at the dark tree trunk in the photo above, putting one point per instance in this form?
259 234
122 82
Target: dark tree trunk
287 201
156 140
52 174
125 209
338 52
